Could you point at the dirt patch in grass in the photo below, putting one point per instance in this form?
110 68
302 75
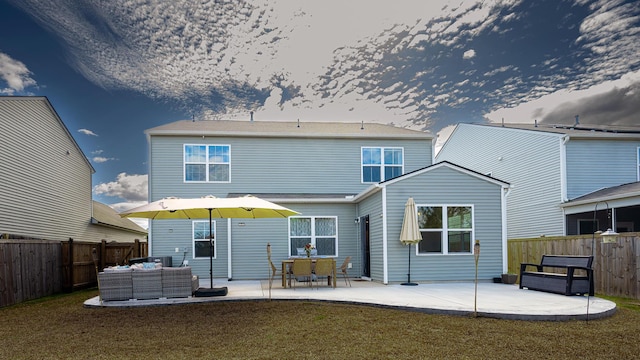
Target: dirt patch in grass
60 327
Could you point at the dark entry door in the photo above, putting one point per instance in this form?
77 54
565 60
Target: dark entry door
365 246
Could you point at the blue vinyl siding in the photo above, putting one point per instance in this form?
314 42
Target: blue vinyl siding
372 206
596 164
446 186
276 165
530 161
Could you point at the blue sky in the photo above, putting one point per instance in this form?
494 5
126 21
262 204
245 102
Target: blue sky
113 69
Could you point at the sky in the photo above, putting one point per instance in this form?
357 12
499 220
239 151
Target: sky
113 69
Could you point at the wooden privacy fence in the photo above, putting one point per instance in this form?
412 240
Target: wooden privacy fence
30 269
616 266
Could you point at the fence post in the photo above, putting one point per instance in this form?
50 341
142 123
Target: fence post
103 253
68 281
136 248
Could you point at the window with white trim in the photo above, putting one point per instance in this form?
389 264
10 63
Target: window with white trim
381 163
319 231
446 229
201 246
207 163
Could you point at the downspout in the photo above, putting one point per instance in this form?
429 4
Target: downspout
229 274
505 244
563 168
385 262
563 179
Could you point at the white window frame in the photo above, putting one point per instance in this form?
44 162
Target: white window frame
313 235
445 230
206 162
194 240
382 164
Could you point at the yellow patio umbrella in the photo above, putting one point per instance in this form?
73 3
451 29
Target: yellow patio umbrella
243 207
410 233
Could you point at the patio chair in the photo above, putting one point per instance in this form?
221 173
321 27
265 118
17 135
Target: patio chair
323 269
302 268
343 270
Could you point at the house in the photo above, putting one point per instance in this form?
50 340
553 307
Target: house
109 226
46 179
348 181
562 176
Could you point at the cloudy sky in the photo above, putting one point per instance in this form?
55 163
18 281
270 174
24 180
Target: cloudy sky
115 68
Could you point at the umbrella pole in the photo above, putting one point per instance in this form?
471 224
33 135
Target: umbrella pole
210 252
409 271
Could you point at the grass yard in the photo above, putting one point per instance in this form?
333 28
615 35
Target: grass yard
60 327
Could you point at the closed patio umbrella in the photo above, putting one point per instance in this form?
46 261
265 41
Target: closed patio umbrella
244 207
410 233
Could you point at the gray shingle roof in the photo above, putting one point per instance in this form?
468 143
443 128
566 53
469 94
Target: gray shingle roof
285 129
579 131
105 215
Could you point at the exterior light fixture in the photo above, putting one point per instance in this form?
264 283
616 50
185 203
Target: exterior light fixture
609 236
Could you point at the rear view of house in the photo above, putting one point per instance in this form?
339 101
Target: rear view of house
348 181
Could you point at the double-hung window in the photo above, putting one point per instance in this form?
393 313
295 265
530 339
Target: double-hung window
201 246
319 231
207 163
381 163
446 229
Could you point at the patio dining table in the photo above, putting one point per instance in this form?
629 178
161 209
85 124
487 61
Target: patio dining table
288 262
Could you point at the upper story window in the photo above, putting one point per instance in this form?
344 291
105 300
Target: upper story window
207 163
638 178
381 163
201 246
319 231
445 229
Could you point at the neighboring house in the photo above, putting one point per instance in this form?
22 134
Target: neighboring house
45 184
552 169
350 182
109 226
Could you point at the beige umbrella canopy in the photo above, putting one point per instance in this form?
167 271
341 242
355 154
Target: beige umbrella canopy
410 233
201 208
244 207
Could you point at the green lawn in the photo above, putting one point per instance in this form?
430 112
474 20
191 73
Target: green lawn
60 327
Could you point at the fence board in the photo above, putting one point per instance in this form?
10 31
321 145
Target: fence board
30 269
616 265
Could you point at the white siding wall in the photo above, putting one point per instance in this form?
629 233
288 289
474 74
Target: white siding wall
45 192
529 161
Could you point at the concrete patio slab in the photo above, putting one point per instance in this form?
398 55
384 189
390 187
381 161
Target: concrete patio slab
493 300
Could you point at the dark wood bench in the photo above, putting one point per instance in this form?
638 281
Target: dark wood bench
577 278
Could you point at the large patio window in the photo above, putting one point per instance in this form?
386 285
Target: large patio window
207 163
380 163
201 248
320 231
446 229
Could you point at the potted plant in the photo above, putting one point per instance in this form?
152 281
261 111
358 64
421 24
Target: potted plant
509 278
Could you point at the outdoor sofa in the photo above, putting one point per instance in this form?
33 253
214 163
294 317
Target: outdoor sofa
147 281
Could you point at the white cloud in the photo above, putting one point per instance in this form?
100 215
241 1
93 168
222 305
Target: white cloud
87 132
15 74
561 106
133 188
469 54
101 159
